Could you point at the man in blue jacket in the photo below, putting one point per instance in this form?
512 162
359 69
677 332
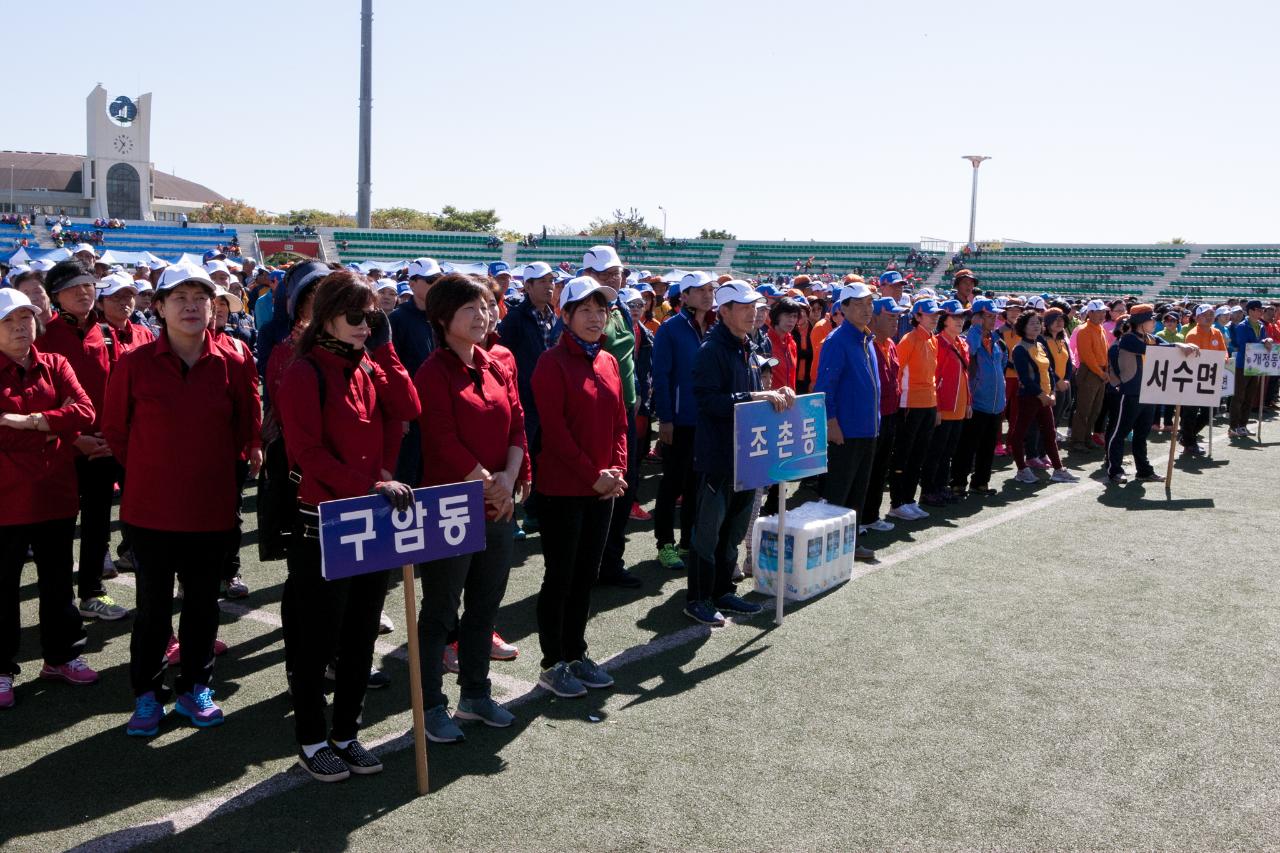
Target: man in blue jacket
988 359
1250 330
848 373
529 330
413 341
674 348
723 376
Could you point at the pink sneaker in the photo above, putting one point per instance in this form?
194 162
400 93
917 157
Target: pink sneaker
451 657
73 672
1001 450
6 691
500 649
1038 464
173 651
639 513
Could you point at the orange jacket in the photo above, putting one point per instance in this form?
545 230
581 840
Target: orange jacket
918 369
1091 347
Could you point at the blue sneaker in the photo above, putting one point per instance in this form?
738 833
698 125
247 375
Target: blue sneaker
519 534
704 612
485 710
590 674
731 603
440 726
198 707
561 681
147 714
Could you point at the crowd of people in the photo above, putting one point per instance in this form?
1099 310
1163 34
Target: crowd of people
551 388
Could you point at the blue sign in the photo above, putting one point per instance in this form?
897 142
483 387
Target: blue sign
123 110
771 447
365 534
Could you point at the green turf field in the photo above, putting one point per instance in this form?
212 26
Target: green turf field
1066 666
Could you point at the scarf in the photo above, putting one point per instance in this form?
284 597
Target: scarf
342 349
589 349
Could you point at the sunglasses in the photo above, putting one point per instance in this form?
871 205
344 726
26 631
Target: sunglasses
356 316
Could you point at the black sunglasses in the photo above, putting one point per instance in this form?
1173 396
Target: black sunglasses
355 316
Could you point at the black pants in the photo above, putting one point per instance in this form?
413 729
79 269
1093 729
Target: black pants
573 534
235 536
909 448
848 472
678 480
615 544
1245 399
1137 418
721 524
1194 419
196 558
96 479
879 468
327 621
936 472
476 582
62 636
975 451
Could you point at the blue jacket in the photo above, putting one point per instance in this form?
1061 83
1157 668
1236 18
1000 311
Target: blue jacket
1242 333
675 348
521 332
411 336
986 372
722 378
1125 357
848 373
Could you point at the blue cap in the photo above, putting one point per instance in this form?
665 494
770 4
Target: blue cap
951 306
767 290
277 275
983 305
926 306
891 277
498 267
887 304
402 288
644 287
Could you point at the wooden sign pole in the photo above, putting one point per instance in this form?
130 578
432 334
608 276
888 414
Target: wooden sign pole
1173 445
415 679
1262 396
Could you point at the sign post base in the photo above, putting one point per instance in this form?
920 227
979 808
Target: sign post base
415 679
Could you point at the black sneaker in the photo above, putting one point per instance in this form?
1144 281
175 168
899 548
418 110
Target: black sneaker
324 766
622 578
359 760
378 679
983 491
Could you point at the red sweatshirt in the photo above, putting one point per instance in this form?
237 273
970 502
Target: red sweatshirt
127 339
84 347
240 353
953 377
584 421
38 475
343 450
784 350
178 432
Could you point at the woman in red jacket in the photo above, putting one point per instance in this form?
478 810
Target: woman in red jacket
42 411
472 429
179 397
342 404
783 316
578 392
952 381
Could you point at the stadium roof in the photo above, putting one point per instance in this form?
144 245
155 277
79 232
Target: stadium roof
35 170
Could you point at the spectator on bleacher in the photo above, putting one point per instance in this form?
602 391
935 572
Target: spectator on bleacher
414 341
182 217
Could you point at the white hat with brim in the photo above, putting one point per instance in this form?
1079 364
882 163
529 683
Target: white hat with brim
736 291
116 282
537 269
84 247
1094 305
855 290
14 300
601 258
424 268
578 289
235 303
183 273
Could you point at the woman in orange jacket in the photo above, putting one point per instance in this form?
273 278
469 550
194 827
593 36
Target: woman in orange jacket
952 379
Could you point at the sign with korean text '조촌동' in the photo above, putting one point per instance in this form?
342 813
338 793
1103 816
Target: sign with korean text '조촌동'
1259 362
773 447
366 534
1172 377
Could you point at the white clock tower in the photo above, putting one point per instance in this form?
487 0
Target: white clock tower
117 176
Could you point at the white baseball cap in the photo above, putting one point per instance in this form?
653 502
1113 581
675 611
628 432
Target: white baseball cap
388 283
115 283
1094 305
157 264
697 278
235 303
583 286
1206 308
216 265
629 294
853 290
423 268
736 290
84 247
41 265
601 258
12 300
182 272
537 269
1222 311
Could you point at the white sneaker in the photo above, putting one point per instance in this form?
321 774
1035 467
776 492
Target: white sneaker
917 511
903 512
385 625
1026 475
1062 437
1062 475
880 525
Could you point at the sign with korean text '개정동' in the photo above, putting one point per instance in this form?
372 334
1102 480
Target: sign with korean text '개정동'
1171 377
1259 362
772 447
366 534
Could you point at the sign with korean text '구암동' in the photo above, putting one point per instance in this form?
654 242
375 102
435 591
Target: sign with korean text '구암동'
366 534
772 447
1258 361
1172 377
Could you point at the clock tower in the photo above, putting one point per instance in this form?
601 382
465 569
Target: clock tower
116 179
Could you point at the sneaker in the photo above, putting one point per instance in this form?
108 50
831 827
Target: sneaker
1098 439
485 710
669 558
74 671
880 525
1001 450
1118 479
124 560
917 511
109 570
173 651
377 680
197 706
1240 432
621 578
562 682
519 535
590 674
903 512
983 491
638 513
451 658
385 625
1062 475
359 760
733 603
236 587
1193 450
1062 437
325 765
147 714
933 500
704 612
1026 475
866 555
102 607
500 649
1151 477
1038 464
6 691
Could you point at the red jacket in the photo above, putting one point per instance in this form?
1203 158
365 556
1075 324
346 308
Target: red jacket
178 432
37 474
86 350
952 377
132 336
465 424
887 364
784 350
501 354
242 355
584 421
343 450
279 361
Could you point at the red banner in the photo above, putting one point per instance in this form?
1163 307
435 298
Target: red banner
310 248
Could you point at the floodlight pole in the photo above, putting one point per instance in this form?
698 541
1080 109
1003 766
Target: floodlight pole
366 111
976 160
664 222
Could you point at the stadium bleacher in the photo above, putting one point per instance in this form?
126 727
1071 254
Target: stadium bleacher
356 246
1073 270
1235 272
162 240
762 258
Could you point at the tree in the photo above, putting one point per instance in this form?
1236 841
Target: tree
403 218
453 219
630 222
1176 241
715 234
233 211
320 218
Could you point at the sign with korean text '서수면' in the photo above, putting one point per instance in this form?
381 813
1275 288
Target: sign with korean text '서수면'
772 447
366 534
1171 377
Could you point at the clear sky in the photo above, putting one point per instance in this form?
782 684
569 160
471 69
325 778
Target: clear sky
1107 121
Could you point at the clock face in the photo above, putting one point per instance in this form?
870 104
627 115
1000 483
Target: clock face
122 143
